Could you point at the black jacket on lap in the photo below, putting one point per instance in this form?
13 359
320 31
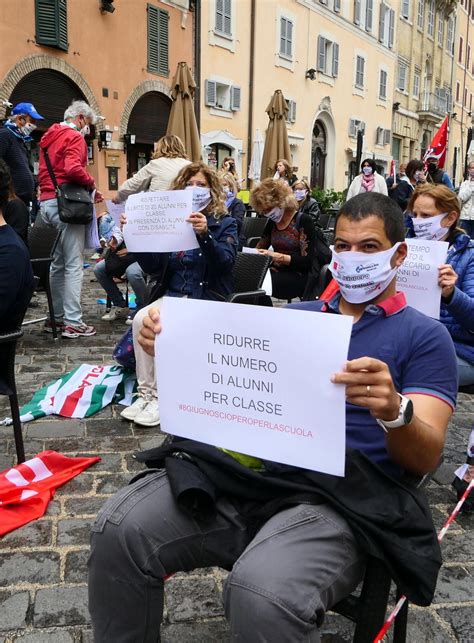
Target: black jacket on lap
391 521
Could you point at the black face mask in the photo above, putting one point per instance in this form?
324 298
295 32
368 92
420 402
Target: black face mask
432 167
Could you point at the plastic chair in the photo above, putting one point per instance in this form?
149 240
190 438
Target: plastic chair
8 342
252 229
248 274
42 241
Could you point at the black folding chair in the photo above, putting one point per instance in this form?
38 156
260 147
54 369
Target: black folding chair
248 275
42 241
8 342
252 229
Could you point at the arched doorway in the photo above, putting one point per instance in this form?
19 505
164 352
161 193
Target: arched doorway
318 155
51 92
217 154
147 122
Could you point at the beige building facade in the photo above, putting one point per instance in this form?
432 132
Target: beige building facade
335 63
121 62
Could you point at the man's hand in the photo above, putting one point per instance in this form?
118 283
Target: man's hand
447 278
199 222
113 244
369 384
150 329
98 197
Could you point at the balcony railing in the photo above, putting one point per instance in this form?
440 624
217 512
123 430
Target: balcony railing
434 104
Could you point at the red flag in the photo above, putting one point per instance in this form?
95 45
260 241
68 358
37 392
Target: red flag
392 169
25 490
438 144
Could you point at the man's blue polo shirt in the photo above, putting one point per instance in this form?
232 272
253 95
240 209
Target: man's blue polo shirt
419 353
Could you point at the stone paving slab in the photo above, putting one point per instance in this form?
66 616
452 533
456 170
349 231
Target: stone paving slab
43 565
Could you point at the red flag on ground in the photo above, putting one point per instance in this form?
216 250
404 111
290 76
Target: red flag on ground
438 145
27 488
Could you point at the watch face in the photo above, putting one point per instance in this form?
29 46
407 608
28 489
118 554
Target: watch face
408 415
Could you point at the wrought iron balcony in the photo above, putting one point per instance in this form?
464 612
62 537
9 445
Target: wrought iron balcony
434 104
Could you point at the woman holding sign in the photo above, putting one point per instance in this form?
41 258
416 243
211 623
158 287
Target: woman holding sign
435 215
204 273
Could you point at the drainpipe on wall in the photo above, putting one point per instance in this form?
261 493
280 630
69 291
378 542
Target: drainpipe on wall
197 62
251 82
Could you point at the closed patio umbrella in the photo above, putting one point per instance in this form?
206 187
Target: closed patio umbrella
257 154
182 120
276 141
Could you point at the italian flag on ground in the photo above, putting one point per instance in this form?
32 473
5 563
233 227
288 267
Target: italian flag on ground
81 393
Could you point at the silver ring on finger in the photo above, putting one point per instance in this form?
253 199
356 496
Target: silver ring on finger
368 390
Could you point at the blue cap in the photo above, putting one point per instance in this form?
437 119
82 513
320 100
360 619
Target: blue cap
27 108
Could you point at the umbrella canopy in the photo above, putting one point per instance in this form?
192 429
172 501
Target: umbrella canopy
257 154
182 121
276 141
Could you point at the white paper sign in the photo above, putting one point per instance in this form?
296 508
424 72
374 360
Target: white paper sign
417 277
156 222
92 231
267 281
115 210
255 380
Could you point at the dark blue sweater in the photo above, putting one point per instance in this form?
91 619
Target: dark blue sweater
13 152
16 278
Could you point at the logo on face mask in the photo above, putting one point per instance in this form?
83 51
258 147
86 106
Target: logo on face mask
201 197
361 277
430 228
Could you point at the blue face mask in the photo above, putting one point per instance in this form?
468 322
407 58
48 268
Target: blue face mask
300 194
367 171
201 197
229 198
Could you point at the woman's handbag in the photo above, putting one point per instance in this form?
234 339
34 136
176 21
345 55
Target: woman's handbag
74 201
116 264
123 352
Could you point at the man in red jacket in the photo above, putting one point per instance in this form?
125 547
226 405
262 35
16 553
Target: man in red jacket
67 151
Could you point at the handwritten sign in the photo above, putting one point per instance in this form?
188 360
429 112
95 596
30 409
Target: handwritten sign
255 380
418 275
156 222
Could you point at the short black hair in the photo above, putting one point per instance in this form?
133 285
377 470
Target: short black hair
5 179
371 162
378 205
414 166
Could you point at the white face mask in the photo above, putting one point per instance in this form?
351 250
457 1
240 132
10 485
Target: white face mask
367 171
85 131
300 194
361 276
276 214
430 228
28 129
201 197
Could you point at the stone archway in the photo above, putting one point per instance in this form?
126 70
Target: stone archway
43 61
140 90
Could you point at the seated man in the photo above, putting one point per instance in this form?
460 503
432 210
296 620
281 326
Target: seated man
299 559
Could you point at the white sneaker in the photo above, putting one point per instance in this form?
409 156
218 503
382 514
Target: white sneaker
129 320
115 313
149 416
130 412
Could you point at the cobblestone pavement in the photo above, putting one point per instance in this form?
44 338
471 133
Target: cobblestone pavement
43 593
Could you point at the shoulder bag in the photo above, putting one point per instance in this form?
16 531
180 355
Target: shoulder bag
74 201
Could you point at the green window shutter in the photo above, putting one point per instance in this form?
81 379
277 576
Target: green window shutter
51 23
158 40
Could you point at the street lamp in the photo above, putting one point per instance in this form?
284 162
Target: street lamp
105 138
128 139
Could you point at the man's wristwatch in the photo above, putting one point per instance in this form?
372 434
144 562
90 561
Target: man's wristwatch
405 415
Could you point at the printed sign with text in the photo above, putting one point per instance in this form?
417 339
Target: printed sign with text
417 277
255 380
156 222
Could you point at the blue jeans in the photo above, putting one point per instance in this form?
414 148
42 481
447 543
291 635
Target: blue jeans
135 278
67 267
465 372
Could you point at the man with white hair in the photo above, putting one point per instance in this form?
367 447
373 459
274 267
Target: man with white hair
67 151
13 138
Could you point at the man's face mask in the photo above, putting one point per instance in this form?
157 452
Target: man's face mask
85 131
432 167
276 214
361 276
28 129
430 228
201 197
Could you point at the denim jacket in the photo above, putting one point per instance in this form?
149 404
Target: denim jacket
212 277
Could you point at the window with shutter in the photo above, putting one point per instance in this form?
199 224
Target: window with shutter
360 70
321 62
51 23
379 136
405 10
291 110
335 59
235 98
337 6
286 37
158 40
210 92
223 23
391 28
369 12
387 134
382 22
357 12
383 84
